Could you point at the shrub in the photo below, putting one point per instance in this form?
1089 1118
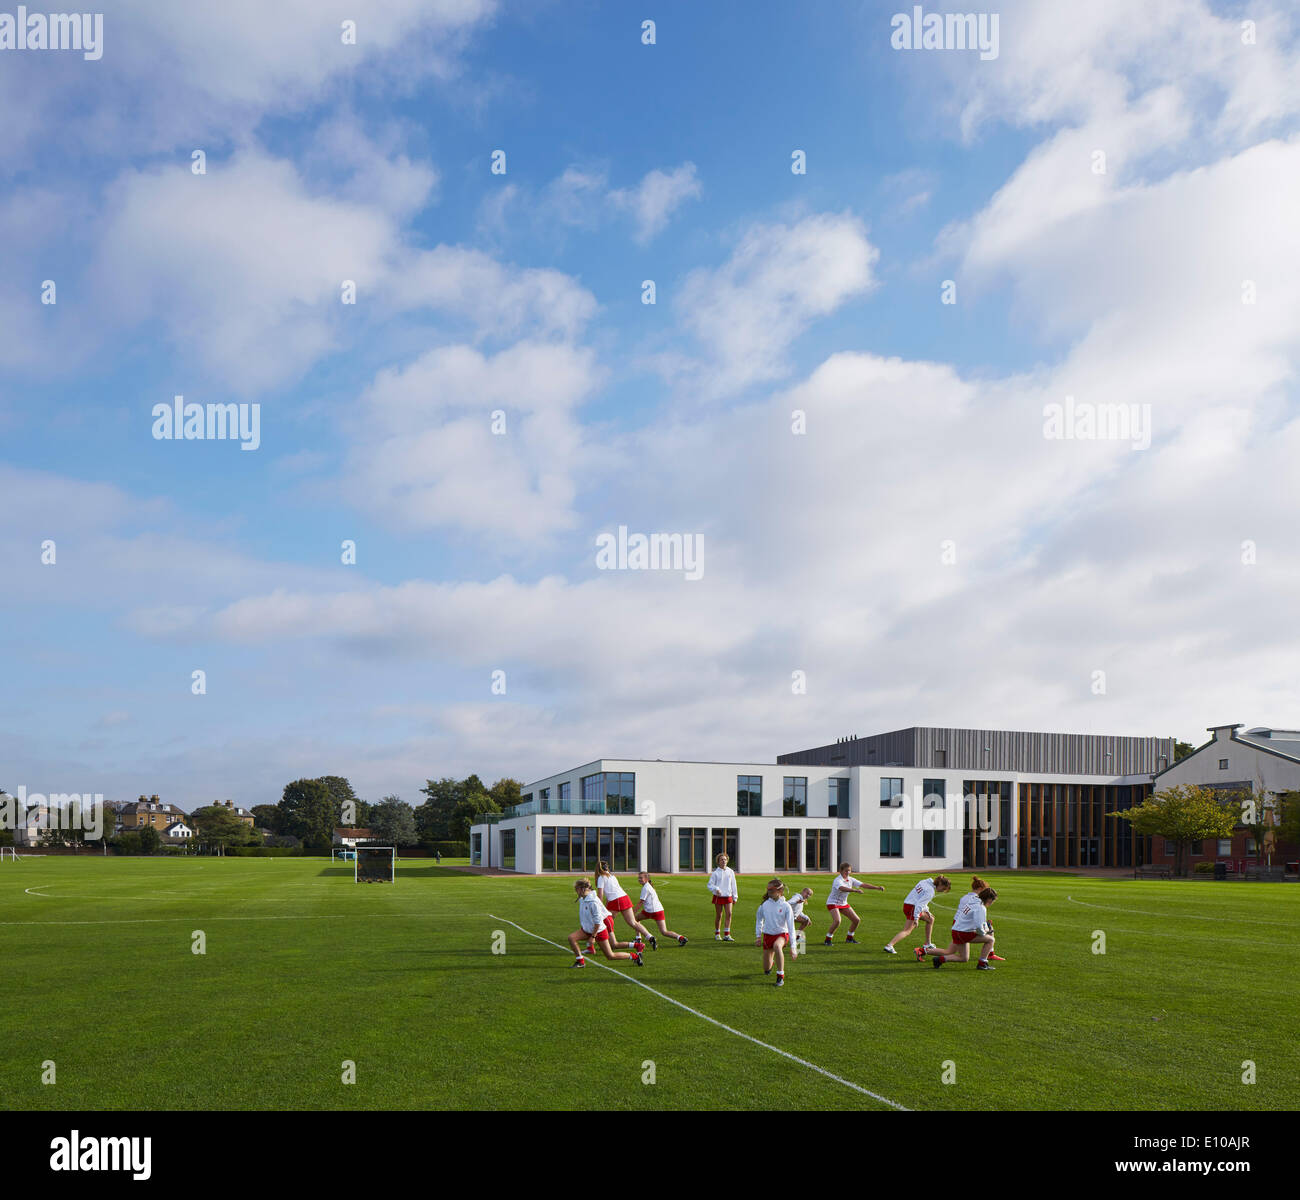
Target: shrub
1204 868
265 851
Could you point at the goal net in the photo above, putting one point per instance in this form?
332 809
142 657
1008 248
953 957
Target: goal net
375 864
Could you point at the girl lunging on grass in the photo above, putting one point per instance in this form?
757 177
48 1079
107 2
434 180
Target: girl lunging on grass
594 924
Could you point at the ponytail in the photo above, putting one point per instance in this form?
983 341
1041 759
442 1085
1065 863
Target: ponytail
977 884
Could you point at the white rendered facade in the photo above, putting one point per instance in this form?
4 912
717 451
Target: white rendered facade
680 814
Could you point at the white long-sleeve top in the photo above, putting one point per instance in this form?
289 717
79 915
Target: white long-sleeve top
591 913
723 883
609 888
840 889
971 914
775 916
921 895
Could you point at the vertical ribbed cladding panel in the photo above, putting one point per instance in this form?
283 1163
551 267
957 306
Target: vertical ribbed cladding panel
1008 750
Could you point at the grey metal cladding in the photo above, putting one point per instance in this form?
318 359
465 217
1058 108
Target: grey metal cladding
996 750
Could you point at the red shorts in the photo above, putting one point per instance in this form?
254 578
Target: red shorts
835 907
659 916
601 934
771 939
908 912
723 900
960 938
609 924
617 906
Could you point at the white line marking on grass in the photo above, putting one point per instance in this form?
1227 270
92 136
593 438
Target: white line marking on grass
1142 912
695 1013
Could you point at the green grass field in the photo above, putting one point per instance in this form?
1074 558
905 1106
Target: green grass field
305 969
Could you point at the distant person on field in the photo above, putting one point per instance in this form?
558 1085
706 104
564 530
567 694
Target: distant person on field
722 883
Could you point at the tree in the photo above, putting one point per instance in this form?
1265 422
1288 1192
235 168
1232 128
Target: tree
506 792
348 808
268 817
216 825
467 813
308 812
150 841
1182 750
433 817
1182 815
392 822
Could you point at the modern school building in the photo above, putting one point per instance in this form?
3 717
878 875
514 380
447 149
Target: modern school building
920 799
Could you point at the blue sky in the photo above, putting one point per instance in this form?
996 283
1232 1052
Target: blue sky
921 554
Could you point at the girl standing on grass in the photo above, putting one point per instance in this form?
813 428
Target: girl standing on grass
594 924
969 926
774 930
915 909
838 902
650 907
618 901
722 883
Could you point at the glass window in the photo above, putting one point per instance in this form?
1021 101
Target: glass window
1225 847
838 805
934 793
593 787
1196 847
508 849
891 843
476 849
932 843
548 848
563 791
817 850
633 850
543 793
591 857
690 850
1250 847
726 841
891 791
794 801
787 850
749 795
620 792
562 848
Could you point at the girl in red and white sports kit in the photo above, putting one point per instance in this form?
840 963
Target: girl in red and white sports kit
969 927
650 907
618 901
774 930
722 883
594 924
915 909
838 902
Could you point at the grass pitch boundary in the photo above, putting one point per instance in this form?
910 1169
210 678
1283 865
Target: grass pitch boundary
712 1021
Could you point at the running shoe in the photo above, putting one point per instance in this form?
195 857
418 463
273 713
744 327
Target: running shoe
985 966
780 981
851 940
890 950
654 945
919 951
937 960
582 962
728 938
636 958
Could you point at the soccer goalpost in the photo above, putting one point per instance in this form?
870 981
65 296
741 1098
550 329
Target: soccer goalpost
9 853
342 855
374 864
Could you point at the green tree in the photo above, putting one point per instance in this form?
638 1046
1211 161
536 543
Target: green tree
217 826
349 809
392 822
267 816
1288 818
1182 815
467 813
150 840
433 817
506 792
1182 750
309 813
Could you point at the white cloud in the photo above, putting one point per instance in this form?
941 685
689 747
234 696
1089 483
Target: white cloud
779 278
654 200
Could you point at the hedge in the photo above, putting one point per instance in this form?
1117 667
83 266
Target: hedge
264 851
449 849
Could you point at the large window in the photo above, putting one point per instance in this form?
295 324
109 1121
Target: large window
932 843
749 795
476 849
726 841
563 791
838 804
593 786
817 850
620 792
579 847
690 850
508 849
787 850
934 793
891 793
891 843
1225 847
794 800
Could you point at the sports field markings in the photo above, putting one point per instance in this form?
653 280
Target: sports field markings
1142 912
703 1017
